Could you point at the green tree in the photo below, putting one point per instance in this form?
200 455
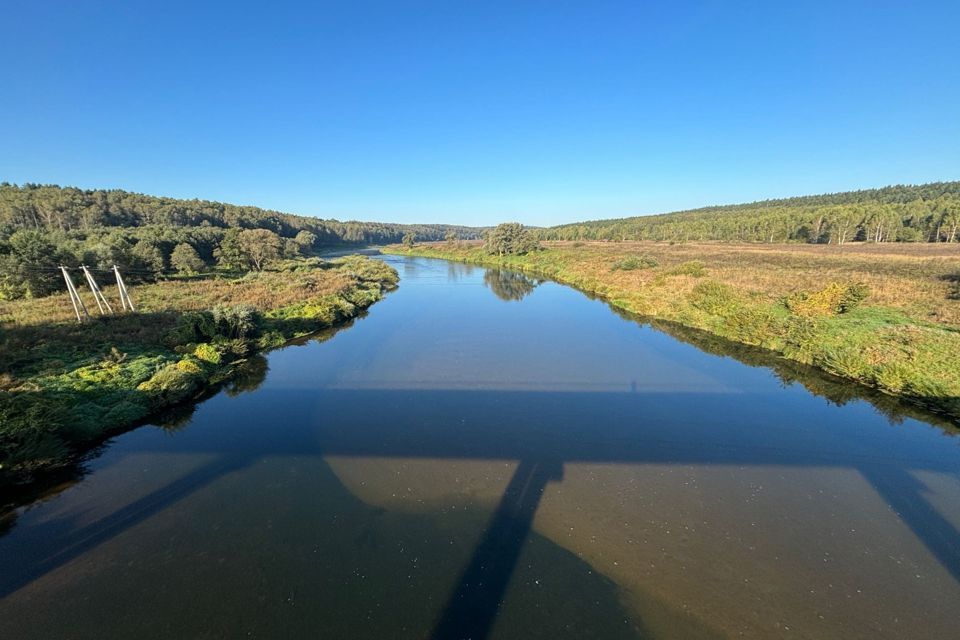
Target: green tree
510 238
30 267
147 257
185 259
409 239
259 247
229 253
305 240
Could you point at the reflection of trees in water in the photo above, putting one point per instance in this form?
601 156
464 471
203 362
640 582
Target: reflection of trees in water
509 285
457 270
836 390
249 377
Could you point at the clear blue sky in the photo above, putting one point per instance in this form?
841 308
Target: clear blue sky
478 112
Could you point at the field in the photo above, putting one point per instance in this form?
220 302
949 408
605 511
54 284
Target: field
65 385
887 316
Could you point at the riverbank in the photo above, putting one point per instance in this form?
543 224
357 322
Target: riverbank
885 317
65 386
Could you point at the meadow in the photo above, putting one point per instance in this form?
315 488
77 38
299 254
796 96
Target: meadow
883 315
66 385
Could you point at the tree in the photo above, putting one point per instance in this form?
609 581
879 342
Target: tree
185 259
305 240
30 267
409 240
259 247
229 253
509 238
148 258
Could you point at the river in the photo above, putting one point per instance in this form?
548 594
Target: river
484 455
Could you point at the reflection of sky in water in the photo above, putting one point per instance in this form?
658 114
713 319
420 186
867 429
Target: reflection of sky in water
467 343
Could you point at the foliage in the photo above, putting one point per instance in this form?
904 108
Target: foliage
185 259
902 213
833 299
259 247
692 268
633 263
509 238
43 226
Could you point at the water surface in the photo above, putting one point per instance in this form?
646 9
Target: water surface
483 455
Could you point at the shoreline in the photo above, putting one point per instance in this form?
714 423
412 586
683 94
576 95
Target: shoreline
741 320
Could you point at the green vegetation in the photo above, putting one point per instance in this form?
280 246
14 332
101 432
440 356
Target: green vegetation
903 213
65 385
509 239
44 226
885 316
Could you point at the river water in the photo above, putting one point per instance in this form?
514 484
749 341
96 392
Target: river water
484 455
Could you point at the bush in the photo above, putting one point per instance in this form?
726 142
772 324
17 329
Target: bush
835 298
693 268
206 352
714 298
234 321
634 262
169 384
192 326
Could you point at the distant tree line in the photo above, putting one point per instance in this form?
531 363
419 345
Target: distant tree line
902 213
44 226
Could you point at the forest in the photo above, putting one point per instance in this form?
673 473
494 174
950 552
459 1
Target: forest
44 226
901 213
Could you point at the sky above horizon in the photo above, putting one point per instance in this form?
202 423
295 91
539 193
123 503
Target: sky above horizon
480 112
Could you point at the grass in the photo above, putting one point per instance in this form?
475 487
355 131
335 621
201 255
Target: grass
886 316
65 386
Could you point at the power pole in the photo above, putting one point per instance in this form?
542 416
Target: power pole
122 288
74 296
97 295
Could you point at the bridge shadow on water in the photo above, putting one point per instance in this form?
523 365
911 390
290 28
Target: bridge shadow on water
563 428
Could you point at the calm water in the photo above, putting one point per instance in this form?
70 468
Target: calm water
479 457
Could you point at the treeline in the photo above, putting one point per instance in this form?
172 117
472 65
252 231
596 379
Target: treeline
901 213
44 226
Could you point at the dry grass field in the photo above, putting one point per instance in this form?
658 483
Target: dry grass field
920 279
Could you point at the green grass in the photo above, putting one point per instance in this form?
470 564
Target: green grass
833 325
64 386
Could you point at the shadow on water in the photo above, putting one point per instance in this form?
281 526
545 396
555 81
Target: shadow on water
474 604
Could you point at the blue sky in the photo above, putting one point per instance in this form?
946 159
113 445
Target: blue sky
479 112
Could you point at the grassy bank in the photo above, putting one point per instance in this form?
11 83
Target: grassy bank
885 316
64 385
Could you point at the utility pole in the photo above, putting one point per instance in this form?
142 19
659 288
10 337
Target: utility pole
122 288
74 296
97 295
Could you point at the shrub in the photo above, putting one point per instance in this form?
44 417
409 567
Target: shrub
208 353
234 321
634 262
833 299
714 298
693 268
192 326
188 365
170 384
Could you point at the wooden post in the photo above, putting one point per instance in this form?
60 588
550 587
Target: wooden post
124 294
74 296
97 295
